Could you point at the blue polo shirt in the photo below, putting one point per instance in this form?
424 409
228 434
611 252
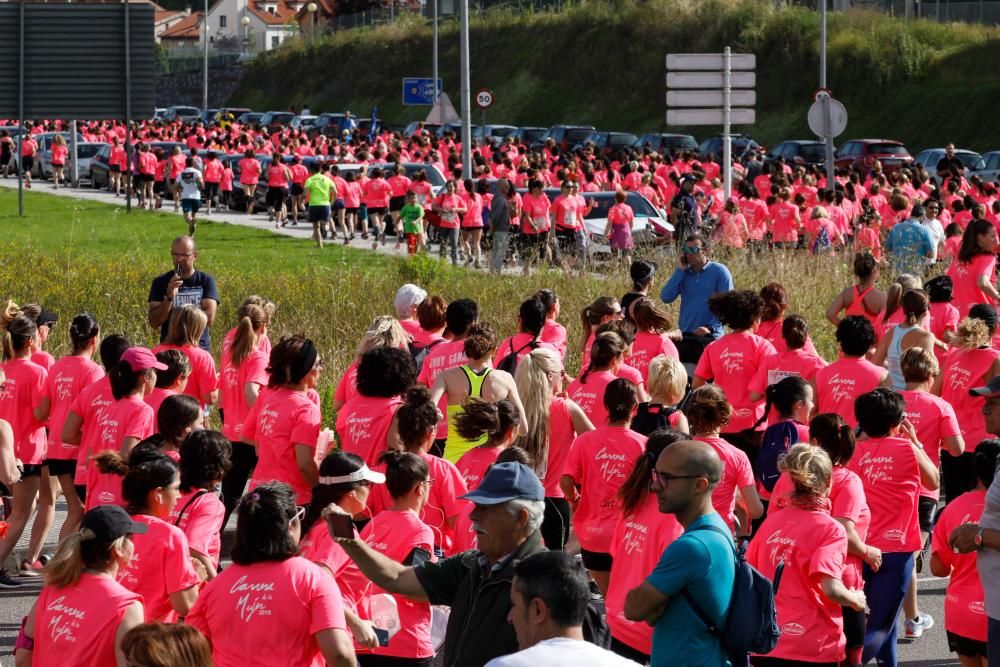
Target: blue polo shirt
701 561
694 289
909 243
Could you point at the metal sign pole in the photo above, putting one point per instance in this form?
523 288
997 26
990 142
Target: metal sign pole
74 174
465 92
130 153
827 138
435 51
20 118
727 147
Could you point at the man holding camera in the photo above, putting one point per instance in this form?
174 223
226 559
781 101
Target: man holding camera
183 286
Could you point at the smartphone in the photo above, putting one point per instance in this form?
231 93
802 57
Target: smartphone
383 636
341 525
177 269
684 258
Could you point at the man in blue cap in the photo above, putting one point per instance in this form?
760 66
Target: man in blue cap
509 508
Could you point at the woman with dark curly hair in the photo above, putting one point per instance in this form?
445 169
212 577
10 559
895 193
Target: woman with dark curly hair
284 421
732 361
367 423
199 512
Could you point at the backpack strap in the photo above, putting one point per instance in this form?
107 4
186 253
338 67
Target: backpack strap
713 627
188 504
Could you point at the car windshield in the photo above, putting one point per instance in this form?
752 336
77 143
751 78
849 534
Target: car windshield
680 142
577 136
813 151
603 202
282 117
889 149
970 159
87 150
533 135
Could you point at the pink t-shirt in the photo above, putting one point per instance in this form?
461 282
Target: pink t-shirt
561 437
201 521
279 420
555 334
155 399
647 346
784 228
161 566
423 338
812 546
249 171
534 213
263 343
771 332
637 544
798 363
66 379
732 362
347 388
232 383
943 317
395 534
20 394
965 276
128 417
44 359
203 379
891 478
77 625
319 547
363 425
103 488
963 370
473 464
268 613
934 419
519 344
838 384
590 395
964 600
599 462
91 406
737 474
438 360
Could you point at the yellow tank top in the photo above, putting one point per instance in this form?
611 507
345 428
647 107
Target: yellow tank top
455 446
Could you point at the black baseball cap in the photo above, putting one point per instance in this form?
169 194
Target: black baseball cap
992 388
46 317
109 522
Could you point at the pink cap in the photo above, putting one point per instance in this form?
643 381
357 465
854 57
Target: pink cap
140 358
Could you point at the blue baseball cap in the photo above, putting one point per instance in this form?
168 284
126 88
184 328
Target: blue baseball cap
507 481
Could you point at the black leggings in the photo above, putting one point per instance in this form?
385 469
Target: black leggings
556 524
244 459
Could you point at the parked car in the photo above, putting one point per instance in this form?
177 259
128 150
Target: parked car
208 116
498 132
429 128
527 135
44 141
565 136
741 145
798 152
276 120
250 118
456 128
158 113
663 143
930 157
607 143
301 122
182 113
989 170
99 168
85 153
862 153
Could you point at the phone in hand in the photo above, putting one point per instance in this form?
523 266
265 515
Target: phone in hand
341 525
684 258
383 636
177 270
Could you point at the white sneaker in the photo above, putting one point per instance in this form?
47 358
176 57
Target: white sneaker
915 627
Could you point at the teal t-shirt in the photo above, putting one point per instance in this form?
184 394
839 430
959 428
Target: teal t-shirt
701 561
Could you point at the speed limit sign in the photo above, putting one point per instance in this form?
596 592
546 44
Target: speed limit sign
484 98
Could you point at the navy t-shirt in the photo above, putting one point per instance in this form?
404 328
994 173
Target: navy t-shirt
195 288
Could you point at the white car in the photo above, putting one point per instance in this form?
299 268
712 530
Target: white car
930 157
989 168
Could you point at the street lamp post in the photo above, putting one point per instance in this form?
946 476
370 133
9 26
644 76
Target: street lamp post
245 22
312 7
204 97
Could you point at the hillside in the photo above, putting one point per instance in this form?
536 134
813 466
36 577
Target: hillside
603 64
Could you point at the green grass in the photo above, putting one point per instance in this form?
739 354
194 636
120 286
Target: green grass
602 63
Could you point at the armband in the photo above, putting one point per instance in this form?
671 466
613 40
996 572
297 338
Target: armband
23 640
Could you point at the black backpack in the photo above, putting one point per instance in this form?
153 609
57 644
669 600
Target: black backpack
509 363
751 624
420 353
650 417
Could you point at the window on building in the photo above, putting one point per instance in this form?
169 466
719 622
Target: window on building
275 41
222 22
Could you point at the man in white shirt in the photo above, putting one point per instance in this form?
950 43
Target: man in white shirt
549 598
190 184
933 225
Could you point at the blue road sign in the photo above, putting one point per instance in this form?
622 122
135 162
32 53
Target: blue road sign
419 90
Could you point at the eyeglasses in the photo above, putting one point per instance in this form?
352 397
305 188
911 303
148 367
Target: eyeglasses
664 478
427 481
691 250
181 254
300 511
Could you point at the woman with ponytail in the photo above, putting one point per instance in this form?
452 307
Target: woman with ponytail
263 342
598 464
284 424
187 324
497 423
607 354
384 331
83 613
651 338
163 572
603 309
971 363
344 481
20 406
67 378
129 419
791 401
901 337
641 535
813 547
893 312
243 370
417 420
554 421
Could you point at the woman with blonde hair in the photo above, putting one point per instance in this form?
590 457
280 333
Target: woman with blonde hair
187 323
384 331
893 313
243 369
603 309
667 384
971 363
81 584
813 547
59 153
263 343
554 421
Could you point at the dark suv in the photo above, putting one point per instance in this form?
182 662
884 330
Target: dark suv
862 153
661 142
798 152
565 136
607 144
741 144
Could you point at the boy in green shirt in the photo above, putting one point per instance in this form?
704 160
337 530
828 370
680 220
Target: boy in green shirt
412 215
319 189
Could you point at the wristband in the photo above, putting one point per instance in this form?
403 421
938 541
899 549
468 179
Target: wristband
23 640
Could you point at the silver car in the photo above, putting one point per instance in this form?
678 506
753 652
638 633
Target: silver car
85 152
930 157
989 169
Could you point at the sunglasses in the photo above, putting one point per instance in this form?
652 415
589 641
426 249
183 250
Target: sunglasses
664 478
691 250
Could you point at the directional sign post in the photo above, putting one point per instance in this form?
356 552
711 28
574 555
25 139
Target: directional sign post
713 89
420 91
828 119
